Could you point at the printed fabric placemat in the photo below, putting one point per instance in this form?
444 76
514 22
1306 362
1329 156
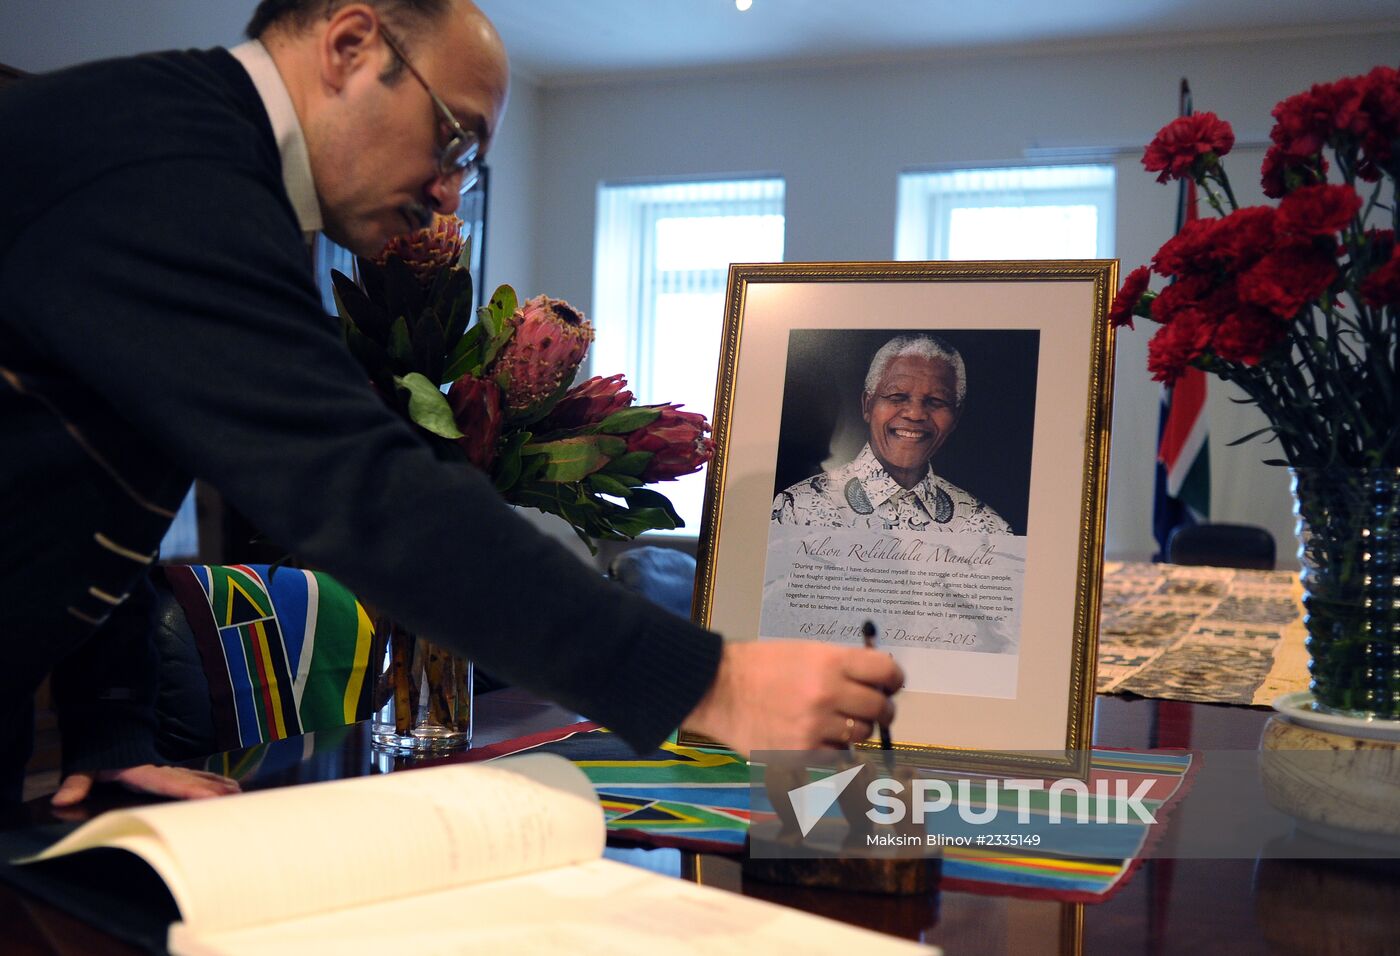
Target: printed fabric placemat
1205 634
697 799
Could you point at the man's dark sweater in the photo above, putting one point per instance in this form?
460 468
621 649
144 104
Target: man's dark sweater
158 322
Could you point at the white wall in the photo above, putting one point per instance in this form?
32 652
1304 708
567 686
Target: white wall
840 137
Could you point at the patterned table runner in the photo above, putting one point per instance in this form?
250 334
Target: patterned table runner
698 799
1214 635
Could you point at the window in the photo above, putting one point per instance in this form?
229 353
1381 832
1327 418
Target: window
1028 212
662 256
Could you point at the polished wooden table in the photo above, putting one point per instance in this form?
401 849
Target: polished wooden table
1235 906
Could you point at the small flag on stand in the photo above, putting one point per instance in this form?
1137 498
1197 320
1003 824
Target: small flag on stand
1182 494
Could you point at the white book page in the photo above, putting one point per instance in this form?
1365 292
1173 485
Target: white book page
277 854
599 908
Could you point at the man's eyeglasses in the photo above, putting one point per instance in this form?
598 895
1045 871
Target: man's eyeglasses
458 154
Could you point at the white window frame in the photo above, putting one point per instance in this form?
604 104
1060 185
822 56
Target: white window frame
626 283
928 197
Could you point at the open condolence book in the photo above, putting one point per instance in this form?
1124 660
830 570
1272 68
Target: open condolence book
505 857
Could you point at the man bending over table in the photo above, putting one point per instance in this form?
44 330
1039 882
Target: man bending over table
159 322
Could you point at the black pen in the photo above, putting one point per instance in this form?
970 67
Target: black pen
867 632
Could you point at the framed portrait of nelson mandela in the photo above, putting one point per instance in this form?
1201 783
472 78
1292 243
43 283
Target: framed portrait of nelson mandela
922 446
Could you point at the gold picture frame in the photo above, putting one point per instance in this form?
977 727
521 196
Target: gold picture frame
987 591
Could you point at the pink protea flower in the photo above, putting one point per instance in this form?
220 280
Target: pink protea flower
428 250
677 441
551 338
476 407
588 403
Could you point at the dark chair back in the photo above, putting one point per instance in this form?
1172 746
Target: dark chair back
664 575
1222 545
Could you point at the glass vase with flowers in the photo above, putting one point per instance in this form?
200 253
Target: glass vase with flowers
1297 305
493 388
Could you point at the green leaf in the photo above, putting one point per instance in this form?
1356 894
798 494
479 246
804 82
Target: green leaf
465 356
508 466
633 463
627 420
353 304
427 406
438 286
456 303
604 484
428 345
372 357
1254 434
644 519
367 352
400 345
573 459
403 293
501 307
645 498
371 278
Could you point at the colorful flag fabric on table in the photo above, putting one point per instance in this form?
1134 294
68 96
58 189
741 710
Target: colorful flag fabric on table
700 799
1182 493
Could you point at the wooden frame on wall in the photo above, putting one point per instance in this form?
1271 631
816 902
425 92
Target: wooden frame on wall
985 588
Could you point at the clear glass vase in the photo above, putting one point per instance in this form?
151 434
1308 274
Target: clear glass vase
1348 522
424 695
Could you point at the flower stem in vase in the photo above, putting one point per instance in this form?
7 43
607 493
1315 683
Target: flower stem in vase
463 683
399 674
439 707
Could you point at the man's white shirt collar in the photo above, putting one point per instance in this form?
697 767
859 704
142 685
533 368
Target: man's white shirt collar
286 128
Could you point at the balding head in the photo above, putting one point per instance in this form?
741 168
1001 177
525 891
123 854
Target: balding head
374 132
297 15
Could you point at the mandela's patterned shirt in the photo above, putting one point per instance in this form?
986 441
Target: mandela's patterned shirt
861 494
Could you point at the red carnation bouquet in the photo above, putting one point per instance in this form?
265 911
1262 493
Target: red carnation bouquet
1296 303
583 452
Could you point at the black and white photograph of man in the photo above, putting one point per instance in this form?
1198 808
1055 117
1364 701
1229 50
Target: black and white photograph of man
911 402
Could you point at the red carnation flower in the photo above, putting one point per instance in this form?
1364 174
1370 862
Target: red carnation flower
1281 172
1378 244
1381 109
1188 293
1188 145
1175 346
1382 287
1247 335
1288 278
1191 250
1306 122
1244 236
677 442
1208 246
1126 302
1319 210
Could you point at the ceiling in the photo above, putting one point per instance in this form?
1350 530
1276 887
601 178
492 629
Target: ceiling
563 41
569 40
